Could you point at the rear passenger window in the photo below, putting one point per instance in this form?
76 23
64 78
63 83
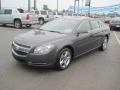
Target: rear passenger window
9 11
85 26
95 25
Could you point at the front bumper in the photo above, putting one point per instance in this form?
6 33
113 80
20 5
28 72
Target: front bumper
36 60
48 19
115 25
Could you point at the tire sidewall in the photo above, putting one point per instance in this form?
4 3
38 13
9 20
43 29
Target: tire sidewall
41 20
18 21
102 46
58 66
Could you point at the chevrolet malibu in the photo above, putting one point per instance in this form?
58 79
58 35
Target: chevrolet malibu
58 42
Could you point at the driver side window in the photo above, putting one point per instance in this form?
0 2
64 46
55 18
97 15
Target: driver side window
85 27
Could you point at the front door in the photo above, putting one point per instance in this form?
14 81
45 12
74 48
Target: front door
85 40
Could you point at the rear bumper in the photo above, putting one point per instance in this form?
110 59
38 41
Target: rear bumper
30 22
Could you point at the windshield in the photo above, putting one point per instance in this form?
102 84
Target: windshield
21 10
61 25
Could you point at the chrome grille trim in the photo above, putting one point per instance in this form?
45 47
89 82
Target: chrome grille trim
20 48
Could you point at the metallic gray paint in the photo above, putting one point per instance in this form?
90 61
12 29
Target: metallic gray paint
79 43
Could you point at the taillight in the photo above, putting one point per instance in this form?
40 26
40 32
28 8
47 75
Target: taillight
28 17
47 16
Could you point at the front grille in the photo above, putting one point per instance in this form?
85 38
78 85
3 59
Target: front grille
20 52
20 49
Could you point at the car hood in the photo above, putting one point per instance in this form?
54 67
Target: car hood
38 37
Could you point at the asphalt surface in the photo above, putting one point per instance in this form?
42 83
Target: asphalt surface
94 71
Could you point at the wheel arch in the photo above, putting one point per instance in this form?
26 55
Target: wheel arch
40 18
70 47
16 19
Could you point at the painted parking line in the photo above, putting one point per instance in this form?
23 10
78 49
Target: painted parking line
118 40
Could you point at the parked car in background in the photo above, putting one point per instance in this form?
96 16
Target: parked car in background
57 15
72 14
17 17
36 12
107 20
115 23
59 41
75 14
45 16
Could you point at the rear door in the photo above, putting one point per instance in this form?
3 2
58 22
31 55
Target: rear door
96 33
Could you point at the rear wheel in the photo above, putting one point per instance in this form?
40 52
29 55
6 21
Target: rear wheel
64 59
18 24
28 25
104 44
41 21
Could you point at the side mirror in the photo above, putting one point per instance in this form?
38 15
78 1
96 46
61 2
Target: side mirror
82 32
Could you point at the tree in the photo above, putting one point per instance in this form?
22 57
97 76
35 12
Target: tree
45 7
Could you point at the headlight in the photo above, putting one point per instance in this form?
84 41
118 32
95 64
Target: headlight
41 50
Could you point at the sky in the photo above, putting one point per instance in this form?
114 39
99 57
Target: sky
63 4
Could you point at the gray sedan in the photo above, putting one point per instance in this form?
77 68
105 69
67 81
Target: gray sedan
60 41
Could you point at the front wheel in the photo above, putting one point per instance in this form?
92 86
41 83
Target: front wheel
104 44
64 59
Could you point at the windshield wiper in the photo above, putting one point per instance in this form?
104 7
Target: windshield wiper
51 31
55 31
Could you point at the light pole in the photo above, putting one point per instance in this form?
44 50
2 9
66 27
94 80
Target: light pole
34 4
78 6
74 5
0 4
29 5
82 8
57 5
89 8
88 4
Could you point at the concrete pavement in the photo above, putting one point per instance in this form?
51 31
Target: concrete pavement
94 71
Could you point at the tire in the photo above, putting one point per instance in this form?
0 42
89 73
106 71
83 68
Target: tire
111 28
28 26
64 58
104 44
18 24
4 25
41 21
